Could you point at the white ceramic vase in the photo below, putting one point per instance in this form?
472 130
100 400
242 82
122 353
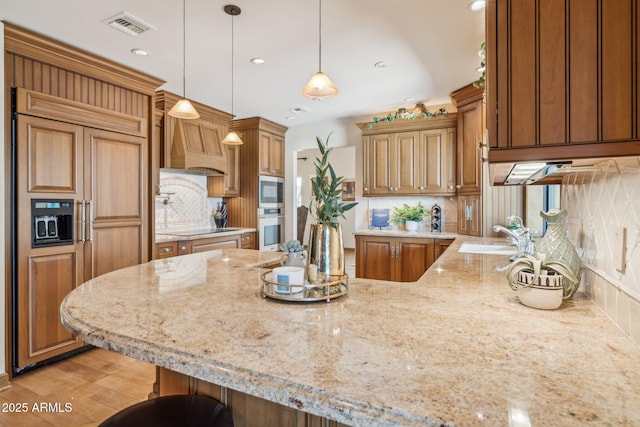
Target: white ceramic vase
411 225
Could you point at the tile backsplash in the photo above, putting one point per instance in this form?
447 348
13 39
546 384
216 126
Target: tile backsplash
601 204
183 202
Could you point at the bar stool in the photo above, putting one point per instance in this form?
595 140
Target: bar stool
173 411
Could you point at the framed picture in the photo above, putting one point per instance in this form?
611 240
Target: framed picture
349 191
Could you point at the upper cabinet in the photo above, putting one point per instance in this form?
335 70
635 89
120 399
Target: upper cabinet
194 145
415 157
271 153
469 102
562 79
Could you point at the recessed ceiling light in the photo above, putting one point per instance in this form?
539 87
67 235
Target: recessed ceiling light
291 117
140 52
381 64
409 100
257 61
477 5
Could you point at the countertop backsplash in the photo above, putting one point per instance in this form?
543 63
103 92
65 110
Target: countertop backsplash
183 202
600 204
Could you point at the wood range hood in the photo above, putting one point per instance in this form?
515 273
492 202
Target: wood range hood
193 146
197 147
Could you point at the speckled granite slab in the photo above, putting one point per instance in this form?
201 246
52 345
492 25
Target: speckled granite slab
455 347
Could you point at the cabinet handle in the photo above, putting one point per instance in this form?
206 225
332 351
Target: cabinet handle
90 203
83 221
393 249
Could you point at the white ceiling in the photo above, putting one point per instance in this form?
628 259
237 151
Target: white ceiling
431 47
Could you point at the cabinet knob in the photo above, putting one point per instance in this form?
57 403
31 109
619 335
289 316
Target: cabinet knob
183 248
421 187
166 250
458 186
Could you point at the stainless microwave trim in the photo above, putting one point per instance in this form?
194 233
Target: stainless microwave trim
273 179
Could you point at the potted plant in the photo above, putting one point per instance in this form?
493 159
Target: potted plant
294 255
410 216
326 248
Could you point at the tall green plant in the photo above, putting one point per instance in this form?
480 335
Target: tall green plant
327 190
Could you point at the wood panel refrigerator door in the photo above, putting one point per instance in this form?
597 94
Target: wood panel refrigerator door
117 189
48 165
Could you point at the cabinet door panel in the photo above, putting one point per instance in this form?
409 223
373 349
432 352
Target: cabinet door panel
380 152
373 258
404 162
617 78
43 283
469 139
523 72
414 258
265 153
277 155
553 79
50 155
583 77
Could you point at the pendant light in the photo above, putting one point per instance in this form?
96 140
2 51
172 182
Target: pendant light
232 138
320 86
183 108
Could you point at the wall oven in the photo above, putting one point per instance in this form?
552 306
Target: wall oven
270 228
270 192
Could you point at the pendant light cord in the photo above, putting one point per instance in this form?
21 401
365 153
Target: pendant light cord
184 49
232 59
320 35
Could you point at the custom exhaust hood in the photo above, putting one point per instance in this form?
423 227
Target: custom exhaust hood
197 147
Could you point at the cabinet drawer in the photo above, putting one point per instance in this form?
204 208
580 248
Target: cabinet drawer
166 250
248 240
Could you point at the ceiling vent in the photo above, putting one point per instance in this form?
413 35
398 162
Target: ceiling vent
128 23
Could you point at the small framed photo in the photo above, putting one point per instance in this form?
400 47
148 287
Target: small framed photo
349 191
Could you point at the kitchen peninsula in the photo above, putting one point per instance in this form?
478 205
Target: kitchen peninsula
454 348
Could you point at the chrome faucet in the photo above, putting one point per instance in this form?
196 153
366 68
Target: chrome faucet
521 237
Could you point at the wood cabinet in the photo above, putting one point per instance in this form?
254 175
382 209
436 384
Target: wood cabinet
261 153
399 259
248 240
271 154
184 247
409 157
227 185
562 79
469 102
246 410
470 215
441 245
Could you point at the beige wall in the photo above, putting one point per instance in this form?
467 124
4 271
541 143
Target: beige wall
601 204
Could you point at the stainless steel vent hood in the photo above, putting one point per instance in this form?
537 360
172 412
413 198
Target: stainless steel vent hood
528 173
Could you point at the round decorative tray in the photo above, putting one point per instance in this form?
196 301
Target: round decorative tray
314 291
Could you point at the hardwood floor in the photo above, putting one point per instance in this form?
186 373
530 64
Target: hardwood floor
83 390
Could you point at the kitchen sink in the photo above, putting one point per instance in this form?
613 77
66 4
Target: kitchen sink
487 248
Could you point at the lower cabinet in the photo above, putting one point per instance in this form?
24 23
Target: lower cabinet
183 247
441 246
249 240
246 410
398 259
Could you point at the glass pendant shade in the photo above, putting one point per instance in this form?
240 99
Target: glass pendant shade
232 138
320 86
184 110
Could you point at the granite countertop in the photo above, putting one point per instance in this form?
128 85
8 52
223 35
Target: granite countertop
404 233
162 236
454 347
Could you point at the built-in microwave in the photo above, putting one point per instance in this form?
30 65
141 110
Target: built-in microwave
270 192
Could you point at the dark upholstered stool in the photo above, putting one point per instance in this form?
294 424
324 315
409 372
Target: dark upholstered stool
173 411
